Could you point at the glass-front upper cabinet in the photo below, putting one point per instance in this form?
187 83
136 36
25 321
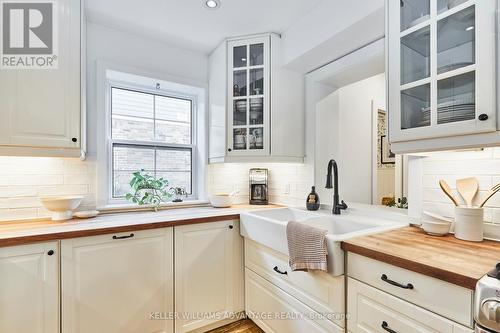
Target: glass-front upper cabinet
249 87
441 68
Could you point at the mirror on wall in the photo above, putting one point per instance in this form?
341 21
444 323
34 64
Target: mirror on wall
351 127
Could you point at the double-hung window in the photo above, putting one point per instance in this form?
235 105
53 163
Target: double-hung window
153 131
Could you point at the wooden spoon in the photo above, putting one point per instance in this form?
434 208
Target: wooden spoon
492 191
447 190
468 187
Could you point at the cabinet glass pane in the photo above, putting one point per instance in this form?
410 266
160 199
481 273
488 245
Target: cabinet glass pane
456 40
415 107
256 138
240 83
256 54
444 5
415 56
240 139
257 111
413 12
457 98
257 81
239 56
240 112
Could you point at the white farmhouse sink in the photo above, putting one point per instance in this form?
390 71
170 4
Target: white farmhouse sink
268 227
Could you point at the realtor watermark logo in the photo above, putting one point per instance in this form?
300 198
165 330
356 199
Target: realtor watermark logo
28 36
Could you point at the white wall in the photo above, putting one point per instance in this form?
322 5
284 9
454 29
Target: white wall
331 30
344 130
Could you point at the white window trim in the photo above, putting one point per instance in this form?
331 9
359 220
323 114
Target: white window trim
107 77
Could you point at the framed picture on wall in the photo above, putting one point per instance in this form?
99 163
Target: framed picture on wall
386 155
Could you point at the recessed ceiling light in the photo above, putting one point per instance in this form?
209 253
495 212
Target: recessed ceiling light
212 4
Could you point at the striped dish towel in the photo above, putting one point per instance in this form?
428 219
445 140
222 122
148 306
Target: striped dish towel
306 247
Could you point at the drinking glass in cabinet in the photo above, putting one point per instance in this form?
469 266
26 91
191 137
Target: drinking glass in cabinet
240 112
413 12
256 54
240 56
456 40
239 138
444 5
415 56
415 107
257 81
256 138
257 111
456 98
240 83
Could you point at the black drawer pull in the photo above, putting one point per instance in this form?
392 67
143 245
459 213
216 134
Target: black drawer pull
385 326
123 237
276 269
51 252
394 283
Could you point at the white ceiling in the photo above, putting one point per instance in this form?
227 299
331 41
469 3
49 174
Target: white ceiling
189 24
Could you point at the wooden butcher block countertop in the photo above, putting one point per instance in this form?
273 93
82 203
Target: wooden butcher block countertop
445 258
25 232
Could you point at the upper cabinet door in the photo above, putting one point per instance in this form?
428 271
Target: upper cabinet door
248 97
441 75
42 107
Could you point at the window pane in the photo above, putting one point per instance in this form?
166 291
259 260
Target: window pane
175 166
173 120
127 160
132 115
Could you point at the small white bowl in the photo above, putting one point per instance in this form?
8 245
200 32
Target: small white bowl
61 207
434 228
221 200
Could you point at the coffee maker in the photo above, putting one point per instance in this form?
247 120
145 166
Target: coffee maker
258 186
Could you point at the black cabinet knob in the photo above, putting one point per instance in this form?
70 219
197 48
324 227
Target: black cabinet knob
483 117
74 139
229 149
51 252
231 227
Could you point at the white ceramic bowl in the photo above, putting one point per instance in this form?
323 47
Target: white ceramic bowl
221 200
434 228
61 207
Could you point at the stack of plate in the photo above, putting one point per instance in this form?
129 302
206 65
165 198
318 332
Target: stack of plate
451 111
240 106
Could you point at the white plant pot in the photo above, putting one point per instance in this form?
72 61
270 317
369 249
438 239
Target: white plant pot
469 223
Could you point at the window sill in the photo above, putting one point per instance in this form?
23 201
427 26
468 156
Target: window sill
128 207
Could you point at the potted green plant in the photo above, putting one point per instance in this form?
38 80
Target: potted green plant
148 190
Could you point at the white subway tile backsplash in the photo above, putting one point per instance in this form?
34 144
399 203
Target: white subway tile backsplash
450 166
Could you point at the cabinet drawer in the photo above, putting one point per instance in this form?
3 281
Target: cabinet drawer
372 310
318 290
443 298
275 311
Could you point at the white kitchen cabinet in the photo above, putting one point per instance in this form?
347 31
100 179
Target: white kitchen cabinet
208 274
120 283
29 294
441 73
372 310
256 105
40 109
275 311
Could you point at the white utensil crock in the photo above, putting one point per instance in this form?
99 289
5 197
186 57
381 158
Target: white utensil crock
469 223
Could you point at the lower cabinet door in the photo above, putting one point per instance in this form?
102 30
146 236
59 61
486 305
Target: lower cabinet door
29 288
208 275
371 310
275 311
118 283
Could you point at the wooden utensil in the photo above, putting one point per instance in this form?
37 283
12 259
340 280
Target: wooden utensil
492 191
468 187
447 190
